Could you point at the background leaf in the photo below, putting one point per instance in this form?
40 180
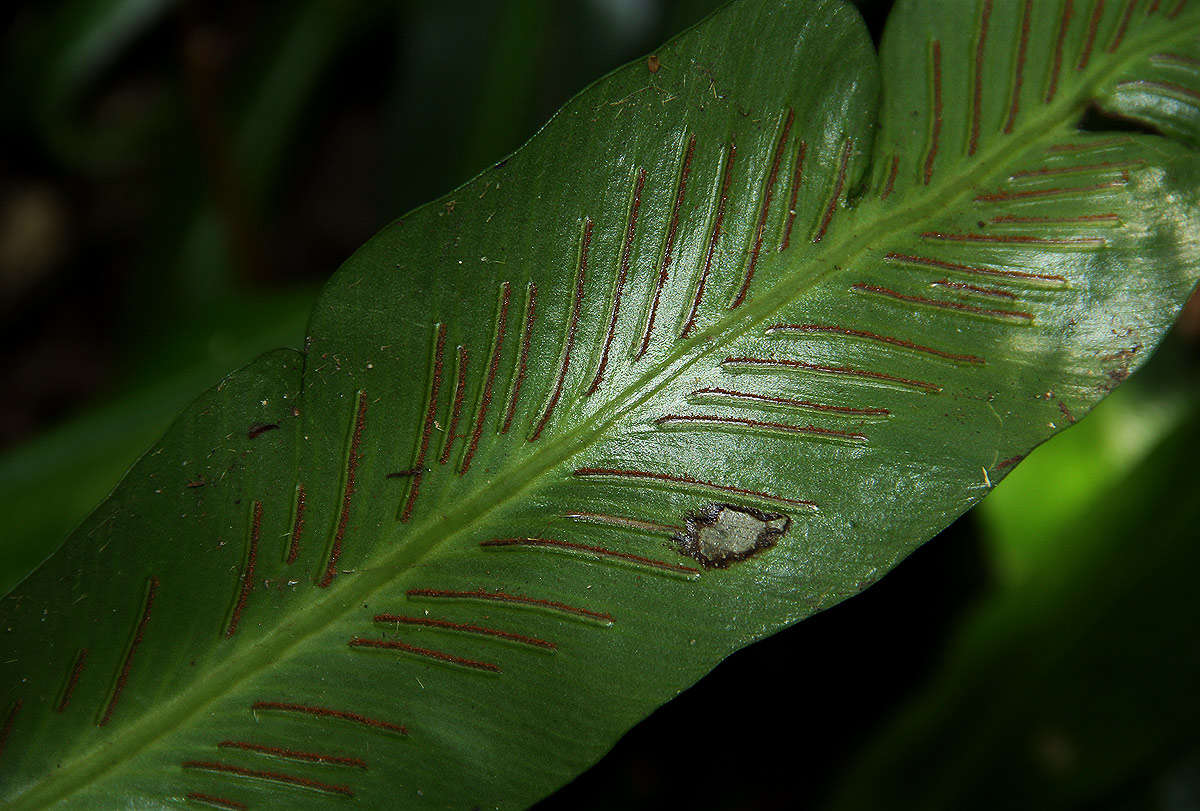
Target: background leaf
1079 708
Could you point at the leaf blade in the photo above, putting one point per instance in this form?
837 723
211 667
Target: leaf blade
564 522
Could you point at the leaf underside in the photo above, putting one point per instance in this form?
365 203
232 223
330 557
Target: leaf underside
735 332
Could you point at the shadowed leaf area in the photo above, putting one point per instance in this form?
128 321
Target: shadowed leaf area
1052 698
741 327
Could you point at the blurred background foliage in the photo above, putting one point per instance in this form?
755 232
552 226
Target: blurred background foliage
178 177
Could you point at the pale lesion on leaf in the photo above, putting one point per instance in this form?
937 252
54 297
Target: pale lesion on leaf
723 534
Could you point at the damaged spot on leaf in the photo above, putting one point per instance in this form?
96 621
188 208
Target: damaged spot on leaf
721 534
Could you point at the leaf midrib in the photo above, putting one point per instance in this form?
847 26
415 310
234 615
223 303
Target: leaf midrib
423 538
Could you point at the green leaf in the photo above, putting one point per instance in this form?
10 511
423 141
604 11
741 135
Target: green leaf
700 360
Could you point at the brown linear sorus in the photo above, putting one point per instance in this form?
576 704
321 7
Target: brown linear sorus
1090 39
271 777
511 599
127 662
77 665
1016 239
1122 27
426 622
1056 66
460 391
957 306
635 205
838 187
523 357
713 238
1019 72
598 551
1081 219
325 712
352 459
871 336
431 408
774 364
743 422
489 381
891 178
765 209
668 247
294 754
246 579
936 120
1078 168
977 78
1061 191
293 551
213 800
797 179
428 653
939 264
688 481
572 330
805 405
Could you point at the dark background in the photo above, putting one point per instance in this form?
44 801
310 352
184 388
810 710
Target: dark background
178 178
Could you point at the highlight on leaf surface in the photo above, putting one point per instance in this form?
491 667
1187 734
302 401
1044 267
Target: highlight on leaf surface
734 333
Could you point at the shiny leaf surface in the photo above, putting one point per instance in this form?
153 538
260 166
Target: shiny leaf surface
743 325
